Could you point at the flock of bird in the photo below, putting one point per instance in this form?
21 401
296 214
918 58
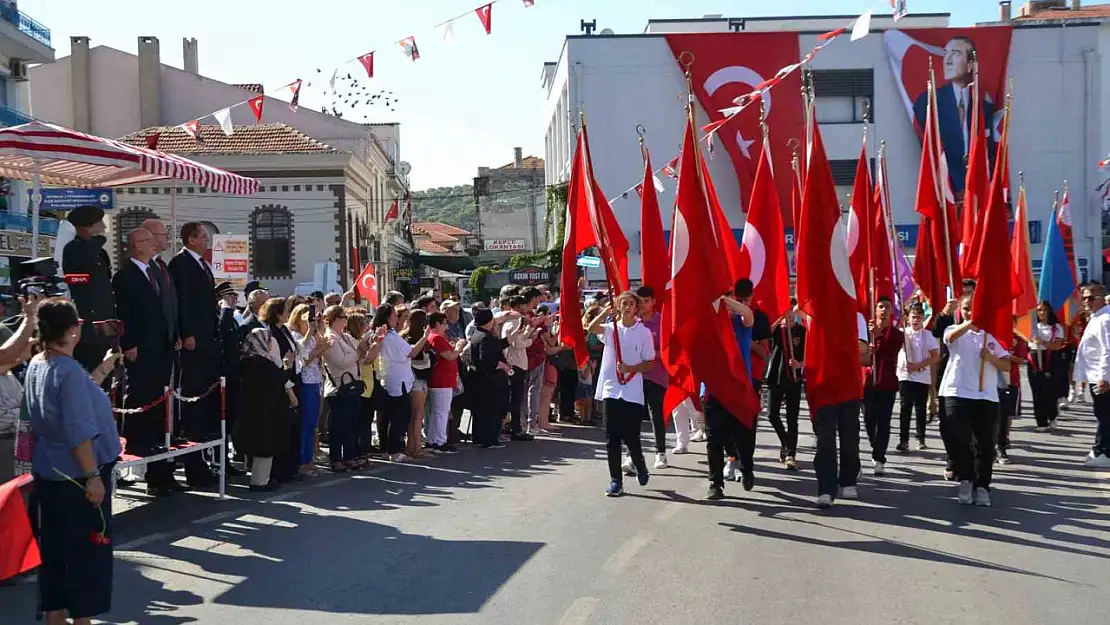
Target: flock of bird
349 95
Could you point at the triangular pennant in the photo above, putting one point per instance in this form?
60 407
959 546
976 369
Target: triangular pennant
447 31
367 61
152 140
898 8
485 15
223 116
190 128
294 103
408 45
529 3
255 105
331 81
862 26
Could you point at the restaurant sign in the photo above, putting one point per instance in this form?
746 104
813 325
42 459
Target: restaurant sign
15 243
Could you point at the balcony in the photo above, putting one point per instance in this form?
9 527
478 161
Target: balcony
19 222
21 37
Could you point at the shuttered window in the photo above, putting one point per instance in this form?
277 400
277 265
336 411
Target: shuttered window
841 95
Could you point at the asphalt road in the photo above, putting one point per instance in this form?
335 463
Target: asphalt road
523 535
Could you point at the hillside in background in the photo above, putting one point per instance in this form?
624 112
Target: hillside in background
450 205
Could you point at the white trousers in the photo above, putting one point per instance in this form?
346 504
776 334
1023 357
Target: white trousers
686 419
439 411
260 470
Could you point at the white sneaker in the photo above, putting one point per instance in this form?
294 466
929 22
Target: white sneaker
660 461
400 458
678 451
824 501
982 497
849 492
629 468
1052 425
1072 396
966 493
1100 461
878 468
698 437
1040 428
730 470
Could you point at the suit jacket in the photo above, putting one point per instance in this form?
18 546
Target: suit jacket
139 307
951 134
230 343
94 300
250 323
197 308
169 295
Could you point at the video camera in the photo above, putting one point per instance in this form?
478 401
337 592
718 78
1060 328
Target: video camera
42 278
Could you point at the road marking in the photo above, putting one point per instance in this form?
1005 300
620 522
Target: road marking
621 559
286 496
580 611
139 542
219 516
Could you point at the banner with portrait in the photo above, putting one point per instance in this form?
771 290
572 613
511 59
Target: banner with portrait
953 52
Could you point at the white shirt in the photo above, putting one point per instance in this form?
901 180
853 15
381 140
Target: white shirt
637 346
1045 334
516 353
197 257
309 370
919 343
396 365
141 265
961 376
1092 362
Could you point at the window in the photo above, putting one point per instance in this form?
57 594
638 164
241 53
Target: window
271 242
844 177
125 223
841 95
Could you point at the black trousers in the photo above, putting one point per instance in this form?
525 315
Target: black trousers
915 396
1007 409
398 414
745 436
974 428
76 573
147 378
1101 403
199 421
518 389
723 435
878 408
1045 394
829 422
622 425
788 394
653 397
568 387
486 410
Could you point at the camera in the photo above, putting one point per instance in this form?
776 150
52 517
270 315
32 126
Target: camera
42 278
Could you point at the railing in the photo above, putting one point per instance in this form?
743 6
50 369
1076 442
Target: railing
12 15
12 117
22 223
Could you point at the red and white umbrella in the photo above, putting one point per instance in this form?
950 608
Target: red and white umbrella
49 154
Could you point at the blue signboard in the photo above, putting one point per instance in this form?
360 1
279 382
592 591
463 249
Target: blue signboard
69 198
589 261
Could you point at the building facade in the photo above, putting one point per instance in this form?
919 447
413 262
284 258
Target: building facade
112 93
511 208
1057 130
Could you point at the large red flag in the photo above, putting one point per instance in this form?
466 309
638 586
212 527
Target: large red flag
730 249
1026 301
697 341
826 291
18 550
992 303
655 263
882 262
925 269
934 200
590 222
975 189
860 227
763 254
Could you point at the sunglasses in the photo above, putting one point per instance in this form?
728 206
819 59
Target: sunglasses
1089 298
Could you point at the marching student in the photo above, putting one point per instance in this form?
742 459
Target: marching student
1009 397
785 382
920 352
971 407
620 387
881 382
1044 367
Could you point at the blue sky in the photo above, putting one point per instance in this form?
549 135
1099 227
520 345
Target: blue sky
462 105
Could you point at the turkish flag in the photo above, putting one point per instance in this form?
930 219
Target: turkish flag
925 270
992 303
976 188
18 550
934 200
255 105
730 249
881 256
590 222
860 226
366 285
392 214
729 65
655 262
697 342
1063 222
763 253
826 291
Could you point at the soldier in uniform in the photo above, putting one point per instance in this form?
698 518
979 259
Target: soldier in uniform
85 256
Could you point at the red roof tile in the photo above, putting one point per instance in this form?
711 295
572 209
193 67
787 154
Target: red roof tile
528 162
1094 11
427 227
431 248
253 87
273 138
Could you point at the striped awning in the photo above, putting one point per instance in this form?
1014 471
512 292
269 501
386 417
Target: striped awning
73 159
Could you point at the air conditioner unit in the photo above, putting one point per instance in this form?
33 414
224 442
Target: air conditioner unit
18 69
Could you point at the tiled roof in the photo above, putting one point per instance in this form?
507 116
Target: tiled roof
439 237
273 138
427 246
1094 11
427 227
253 87
528 162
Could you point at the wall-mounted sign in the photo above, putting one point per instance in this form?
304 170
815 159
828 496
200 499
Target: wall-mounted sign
588 261
13 243
529 276
505 245
68 198
231 259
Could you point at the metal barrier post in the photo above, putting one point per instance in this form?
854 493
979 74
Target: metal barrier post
223 437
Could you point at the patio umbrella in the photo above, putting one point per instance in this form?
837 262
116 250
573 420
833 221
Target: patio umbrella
49 154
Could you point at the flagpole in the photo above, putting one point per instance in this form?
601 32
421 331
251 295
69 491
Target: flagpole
939 184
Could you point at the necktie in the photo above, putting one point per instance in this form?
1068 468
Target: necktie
152 275
962 107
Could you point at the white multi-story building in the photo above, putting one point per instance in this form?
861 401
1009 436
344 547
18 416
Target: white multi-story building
1057 130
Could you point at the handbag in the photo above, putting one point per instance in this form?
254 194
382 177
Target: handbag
354 388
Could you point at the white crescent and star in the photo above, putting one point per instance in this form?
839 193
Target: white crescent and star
853 232
680 245
757 252
838 257
743 75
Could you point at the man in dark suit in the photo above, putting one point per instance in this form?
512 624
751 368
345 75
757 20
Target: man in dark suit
85 256
197 315
147 345
169 292
954 104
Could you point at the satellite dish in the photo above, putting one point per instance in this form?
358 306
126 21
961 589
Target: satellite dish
405 168
607 31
